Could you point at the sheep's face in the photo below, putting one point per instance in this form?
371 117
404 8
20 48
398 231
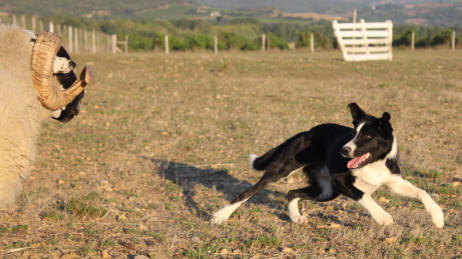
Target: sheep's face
63 69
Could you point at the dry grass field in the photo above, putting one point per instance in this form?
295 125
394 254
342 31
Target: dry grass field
163 141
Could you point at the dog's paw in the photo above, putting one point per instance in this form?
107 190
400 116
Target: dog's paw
385 219
438 217
299 219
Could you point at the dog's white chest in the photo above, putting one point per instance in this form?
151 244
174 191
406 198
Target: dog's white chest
371 176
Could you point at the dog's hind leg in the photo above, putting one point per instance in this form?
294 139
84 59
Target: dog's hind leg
313 192
319 190
406 189
224 213
270 175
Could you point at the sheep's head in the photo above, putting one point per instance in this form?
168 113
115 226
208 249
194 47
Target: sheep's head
57 86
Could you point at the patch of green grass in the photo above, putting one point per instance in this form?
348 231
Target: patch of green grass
209 249
82 208
449 189
19 244
157 235
262 241
19 228
170 205
109 243
433 174
53 215
133 231
85 250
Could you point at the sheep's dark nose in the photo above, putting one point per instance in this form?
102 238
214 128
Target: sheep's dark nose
345 152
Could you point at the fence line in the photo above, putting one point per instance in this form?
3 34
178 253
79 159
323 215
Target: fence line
91 41
74 39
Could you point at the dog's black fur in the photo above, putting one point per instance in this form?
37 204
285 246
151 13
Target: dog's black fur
321 147
338 160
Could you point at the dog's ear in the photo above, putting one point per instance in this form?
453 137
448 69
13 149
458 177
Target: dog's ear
385 117
384 122
356 113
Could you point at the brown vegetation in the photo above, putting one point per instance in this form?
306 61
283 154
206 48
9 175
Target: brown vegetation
163 142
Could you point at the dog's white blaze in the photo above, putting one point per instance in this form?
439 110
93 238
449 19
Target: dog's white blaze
294 212
351 144
325 180
224 213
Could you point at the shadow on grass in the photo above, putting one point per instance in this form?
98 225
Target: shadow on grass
187 176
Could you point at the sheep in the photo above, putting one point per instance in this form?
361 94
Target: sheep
27 97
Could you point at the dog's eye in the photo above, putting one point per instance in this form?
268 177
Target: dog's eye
367 137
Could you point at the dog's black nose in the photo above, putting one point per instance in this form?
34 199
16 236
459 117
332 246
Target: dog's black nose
345 152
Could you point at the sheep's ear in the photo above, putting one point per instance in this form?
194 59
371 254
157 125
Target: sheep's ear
356 112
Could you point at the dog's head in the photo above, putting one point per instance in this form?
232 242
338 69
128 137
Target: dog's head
373 141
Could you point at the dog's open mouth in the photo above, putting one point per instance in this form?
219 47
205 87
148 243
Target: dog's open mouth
359 161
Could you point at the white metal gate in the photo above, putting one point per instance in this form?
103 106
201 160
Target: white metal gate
364 41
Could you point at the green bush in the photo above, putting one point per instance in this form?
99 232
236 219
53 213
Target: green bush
276 42
198 41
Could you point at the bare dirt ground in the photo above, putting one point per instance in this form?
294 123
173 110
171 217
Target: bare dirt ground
163 141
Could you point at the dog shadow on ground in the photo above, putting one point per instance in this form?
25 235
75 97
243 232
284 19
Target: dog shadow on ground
216 180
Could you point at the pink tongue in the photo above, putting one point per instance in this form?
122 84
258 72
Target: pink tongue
355 162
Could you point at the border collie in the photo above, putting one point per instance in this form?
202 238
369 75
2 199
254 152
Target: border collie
338 160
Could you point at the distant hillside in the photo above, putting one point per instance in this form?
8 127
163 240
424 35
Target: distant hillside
420 12
318 6
124 8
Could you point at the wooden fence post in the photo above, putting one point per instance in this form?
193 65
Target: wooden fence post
23 21
64 37
166 44
70 39
58 29
126 44
85 41
34 23
41 26
412 41
76 40
453 40
215 44
93 41
312 42
263 41
51 27
354 15
114 43
14 20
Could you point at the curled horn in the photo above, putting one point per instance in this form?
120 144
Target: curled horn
50 92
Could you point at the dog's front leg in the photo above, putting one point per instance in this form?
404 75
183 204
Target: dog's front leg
377 213
406 189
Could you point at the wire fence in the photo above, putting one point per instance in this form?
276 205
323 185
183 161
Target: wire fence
74 39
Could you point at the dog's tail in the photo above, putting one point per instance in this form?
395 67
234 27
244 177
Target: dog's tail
260 163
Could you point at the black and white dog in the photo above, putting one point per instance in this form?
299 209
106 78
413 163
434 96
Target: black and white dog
338 160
